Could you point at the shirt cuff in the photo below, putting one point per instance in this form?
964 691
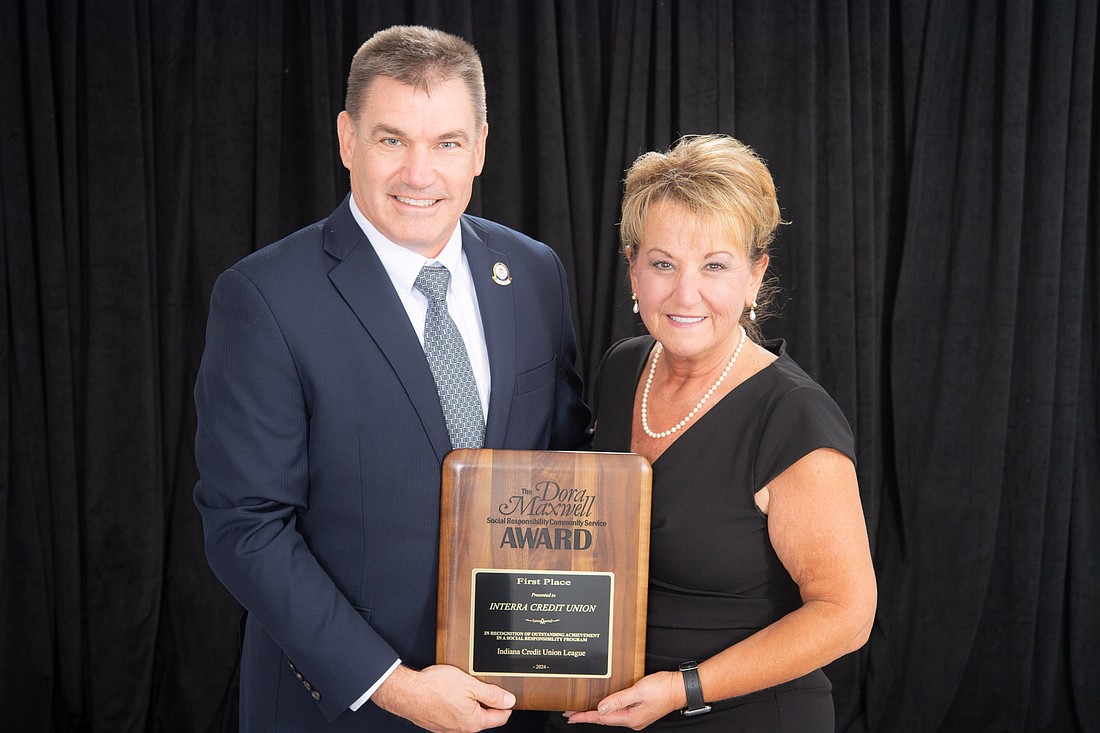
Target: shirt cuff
366 695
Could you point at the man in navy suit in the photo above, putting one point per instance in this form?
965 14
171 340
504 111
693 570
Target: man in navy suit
321 432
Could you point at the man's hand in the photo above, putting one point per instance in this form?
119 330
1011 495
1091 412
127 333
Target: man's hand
444 699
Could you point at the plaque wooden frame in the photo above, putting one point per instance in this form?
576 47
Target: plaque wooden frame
565 533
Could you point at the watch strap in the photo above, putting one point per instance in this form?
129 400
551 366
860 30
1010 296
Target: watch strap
694 690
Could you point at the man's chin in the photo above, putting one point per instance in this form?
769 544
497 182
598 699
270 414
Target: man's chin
427 241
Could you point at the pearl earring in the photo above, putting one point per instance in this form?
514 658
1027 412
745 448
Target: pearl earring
752 311
634 297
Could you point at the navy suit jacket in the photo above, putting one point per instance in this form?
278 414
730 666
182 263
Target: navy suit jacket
320 442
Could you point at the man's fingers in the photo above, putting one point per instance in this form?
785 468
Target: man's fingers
494 718
492 696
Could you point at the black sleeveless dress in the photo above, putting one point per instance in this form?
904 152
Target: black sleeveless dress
714 577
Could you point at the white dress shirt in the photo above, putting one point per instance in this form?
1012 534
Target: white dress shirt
403 265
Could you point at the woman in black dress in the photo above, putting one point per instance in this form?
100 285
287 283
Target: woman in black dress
760 571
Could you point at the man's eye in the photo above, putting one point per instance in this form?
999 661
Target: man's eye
449 145
391 142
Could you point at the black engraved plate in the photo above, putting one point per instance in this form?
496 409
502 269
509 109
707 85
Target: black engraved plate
541 623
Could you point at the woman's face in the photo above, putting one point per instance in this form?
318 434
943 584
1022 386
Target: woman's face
693 283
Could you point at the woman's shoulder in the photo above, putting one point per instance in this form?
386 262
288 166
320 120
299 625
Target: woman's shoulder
785 372
625 357
796 409
630 350
616 380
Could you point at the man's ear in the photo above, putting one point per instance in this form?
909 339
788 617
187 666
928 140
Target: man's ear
479 149
345 130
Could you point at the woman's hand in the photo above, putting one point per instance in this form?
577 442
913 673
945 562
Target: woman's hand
652 697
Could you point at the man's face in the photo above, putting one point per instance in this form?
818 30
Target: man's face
413 157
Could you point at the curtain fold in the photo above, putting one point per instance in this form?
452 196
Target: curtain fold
986 326
938 164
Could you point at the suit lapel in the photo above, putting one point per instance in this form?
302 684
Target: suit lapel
366 287
498 319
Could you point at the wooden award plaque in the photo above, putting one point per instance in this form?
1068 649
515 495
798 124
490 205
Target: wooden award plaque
544 572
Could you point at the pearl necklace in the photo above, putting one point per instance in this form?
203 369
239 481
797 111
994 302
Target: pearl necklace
698 406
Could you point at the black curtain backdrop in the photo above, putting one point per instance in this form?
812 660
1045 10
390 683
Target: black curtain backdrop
937 161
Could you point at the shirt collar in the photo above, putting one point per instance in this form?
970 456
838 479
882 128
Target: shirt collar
402 264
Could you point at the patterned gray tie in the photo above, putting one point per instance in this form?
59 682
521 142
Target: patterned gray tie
450 364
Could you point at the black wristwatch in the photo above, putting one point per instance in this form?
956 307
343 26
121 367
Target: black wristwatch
694 690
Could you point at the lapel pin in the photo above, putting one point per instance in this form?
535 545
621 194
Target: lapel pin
501 276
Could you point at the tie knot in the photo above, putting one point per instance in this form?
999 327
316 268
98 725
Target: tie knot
433 281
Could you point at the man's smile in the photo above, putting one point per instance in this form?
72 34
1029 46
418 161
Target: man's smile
424 203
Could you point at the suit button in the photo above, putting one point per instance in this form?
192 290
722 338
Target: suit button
316 695
306 685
